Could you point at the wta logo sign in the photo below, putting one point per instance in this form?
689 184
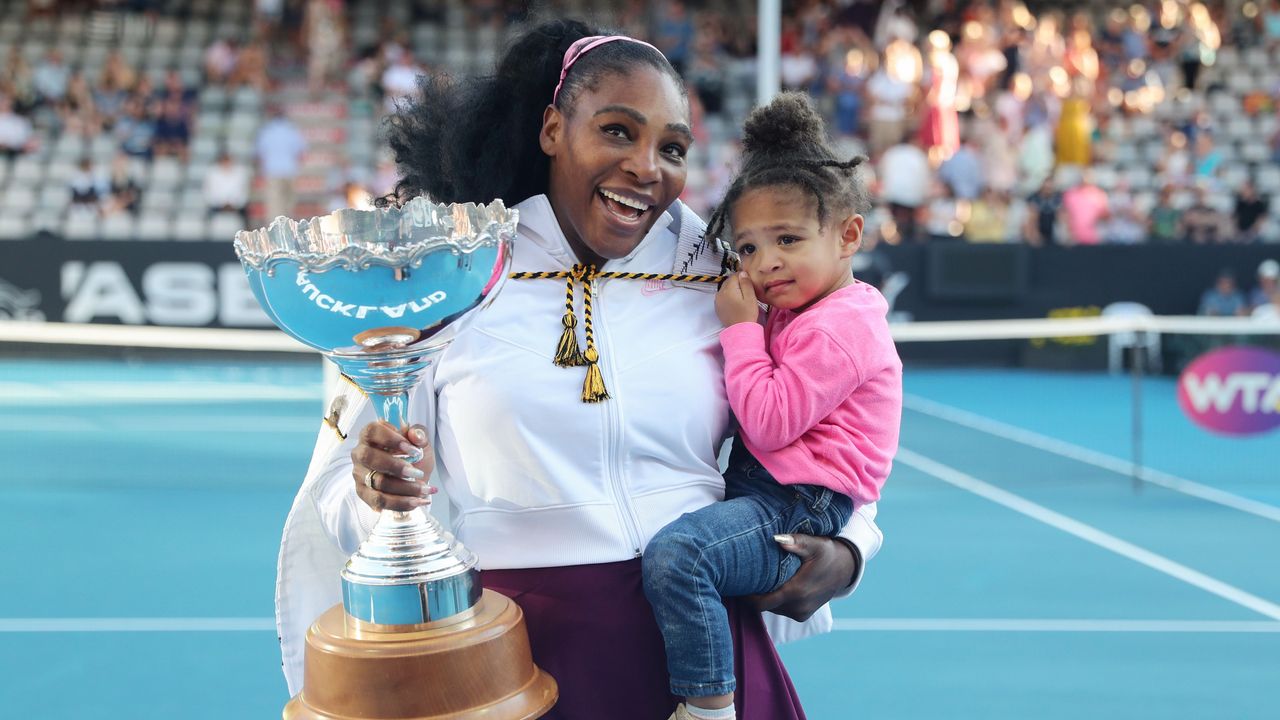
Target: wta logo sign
1233 391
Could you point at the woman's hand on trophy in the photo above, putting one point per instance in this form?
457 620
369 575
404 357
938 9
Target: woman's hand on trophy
385 480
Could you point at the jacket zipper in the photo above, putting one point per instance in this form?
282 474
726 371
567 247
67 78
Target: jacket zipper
613 414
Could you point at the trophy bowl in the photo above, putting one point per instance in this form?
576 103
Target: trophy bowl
381 293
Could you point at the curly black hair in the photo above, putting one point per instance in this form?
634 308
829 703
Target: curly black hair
785 145
476 139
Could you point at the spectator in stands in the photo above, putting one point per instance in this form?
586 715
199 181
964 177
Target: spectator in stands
280 146
77 112
980 59
172 129
1110 41
1084 207
175 88
86 188
220 61
136 131
400 80
904 182
889 98
846 83
673 33
1270 17
1224 299
109 99
1174 166
117 73
16 133
324 30
1203 222
1075 128
17 82
988 218
999 155
251 67
1198 45
226 188
1124 224
1250 213
1267 288
123 192
706 71
1165 223
51 77
1011 106
1035 156
1208 158
963 172
940 127
1044 211
943 213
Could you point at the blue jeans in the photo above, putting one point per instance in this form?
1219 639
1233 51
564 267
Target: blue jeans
724 550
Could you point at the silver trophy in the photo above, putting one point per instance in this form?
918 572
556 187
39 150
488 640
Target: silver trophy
380 292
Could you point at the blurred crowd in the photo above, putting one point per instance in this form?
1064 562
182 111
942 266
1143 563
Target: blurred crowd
984 120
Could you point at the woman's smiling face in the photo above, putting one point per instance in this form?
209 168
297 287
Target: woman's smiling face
618 160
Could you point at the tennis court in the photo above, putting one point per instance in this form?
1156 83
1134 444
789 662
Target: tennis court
1023 575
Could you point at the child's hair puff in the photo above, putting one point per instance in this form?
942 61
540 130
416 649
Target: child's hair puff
785 145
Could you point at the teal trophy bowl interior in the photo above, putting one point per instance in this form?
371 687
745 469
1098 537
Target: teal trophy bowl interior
379 290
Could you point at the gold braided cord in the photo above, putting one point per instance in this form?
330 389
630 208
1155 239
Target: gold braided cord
593 389
561 274
567 351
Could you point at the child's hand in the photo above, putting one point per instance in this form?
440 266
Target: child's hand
736 301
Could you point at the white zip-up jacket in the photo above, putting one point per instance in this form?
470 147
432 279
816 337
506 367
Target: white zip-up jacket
533 476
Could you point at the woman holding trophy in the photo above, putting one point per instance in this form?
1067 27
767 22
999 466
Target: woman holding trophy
560 462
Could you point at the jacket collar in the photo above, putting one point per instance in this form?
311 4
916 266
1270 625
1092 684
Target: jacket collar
538 224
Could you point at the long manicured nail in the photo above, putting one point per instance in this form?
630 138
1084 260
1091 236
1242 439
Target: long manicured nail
407 449
418 435
419 502
784 539
410 471
427 490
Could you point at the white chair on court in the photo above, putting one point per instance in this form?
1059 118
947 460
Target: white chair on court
1148 342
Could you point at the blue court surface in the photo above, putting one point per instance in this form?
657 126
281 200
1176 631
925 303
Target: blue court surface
1024 574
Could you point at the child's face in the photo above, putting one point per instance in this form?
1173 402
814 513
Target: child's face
791 260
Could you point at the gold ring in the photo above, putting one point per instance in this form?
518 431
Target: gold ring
368 479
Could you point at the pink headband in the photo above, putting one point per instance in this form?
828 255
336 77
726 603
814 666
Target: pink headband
585 45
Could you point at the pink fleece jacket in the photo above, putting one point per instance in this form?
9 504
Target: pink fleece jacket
818 394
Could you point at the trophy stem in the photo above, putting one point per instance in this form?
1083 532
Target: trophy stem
410 571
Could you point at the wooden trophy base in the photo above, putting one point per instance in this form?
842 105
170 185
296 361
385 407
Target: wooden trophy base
474 665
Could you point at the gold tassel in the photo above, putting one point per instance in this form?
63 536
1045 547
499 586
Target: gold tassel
593 389
567 353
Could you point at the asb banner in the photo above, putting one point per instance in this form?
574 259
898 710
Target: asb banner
1233 390
192 284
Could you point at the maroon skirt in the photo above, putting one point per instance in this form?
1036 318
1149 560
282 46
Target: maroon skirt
592 629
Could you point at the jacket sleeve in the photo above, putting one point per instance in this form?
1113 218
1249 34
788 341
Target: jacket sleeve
329 485
777 401
862 531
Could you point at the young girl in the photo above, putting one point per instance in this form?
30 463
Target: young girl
817 391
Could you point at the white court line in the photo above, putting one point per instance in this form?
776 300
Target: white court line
1088 533
45 625
1090 457
1052 625
164 424
76 393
